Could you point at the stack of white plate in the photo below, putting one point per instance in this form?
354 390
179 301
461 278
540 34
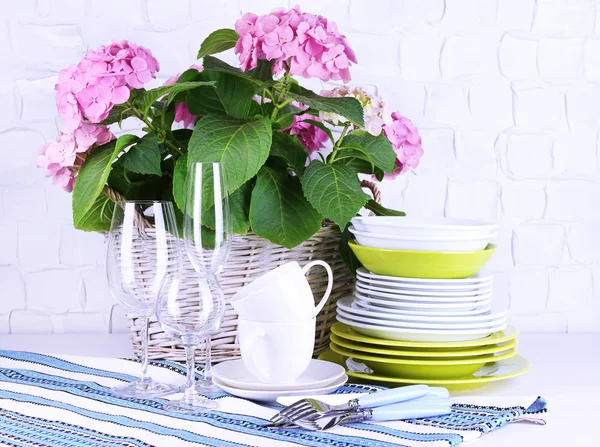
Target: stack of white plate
423 234
414 309
321 377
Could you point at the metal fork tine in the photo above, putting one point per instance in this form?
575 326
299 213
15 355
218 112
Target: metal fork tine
300 413
295 407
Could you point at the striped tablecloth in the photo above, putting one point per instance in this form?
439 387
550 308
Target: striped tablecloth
66 401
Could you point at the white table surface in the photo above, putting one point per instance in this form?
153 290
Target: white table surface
565 371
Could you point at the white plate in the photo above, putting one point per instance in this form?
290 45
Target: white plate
318 374
271 396
478 278
403 324
393 286
347 304
390 242
422 305
425 296
423 226
424 313
429 335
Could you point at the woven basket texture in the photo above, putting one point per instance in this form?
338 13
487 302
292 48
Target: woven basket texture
251 256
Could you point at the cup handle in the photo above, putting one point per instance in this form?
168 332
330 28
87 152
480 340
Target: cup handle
323 264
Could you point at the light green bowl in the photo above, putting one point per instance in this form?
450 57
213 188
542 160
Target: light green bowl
422 264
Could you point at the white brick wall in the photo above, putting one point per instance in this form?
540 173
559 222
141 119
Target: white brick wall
506 94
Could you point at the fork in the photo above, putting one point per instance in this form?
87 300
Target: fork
307 407
394 412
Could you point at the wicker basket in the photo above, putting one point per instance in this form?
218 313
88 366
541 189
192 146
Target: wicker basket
251 256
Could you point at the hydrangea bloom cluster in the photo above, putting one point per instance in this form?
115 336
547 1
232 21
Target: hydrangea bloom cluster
311 137
60 156
85 94
406 142
375 111
310 45
182 113
103 77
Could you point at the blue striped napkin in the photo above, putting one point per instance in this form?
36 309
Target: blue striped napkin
66 401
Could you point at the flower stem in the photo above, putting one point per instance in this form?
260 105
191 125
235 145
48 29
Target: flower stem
338 143
152 127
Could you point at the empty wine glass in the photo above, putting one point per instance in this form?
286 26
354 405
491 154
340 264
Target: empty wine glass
207 237
143 248
186 311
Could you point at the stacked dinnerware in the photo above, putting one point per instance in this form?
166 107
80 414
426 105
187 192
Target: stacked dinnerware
422 311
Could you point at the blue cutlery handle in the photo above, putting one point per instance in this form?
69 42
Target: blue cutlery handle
393 396
438 391
401 411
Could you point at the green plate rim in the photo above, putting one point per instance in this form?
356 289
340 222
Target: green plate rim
400 353
486 359
420 344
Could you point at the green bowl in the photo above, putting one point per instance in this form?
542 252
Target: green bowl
421 368
422 264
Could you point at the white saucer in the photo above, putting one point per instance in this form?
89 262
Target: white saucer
478 278
318 374
424 305
271 396
420 294
362 305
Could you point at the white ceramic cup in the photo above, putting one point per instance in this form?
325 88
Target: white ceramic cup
281 295
277 353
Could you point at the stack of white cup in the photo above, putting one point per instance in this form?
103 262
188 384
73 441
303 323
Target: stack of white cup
277 318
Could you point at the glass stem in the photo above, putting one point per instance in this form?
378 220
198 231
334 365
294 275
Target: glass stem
145 377
190 356
207 372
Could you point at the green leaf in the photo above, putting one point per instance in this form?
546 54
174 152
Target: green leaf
242 145
215 64
346 252
334 190
289 149
263 71
117 114
230 95
180 181
149 97
278 210
356 158
182 137
218 41
349 108
99 215
381 210
378 148
143 157
323 127
93 175
239 207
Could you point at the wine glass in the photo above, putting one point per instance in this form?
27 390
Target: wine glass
143 248
187 312
207 236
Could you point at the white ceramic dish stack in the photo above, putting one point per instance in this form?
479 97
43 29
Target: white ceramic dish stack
439 235
320 377
427 310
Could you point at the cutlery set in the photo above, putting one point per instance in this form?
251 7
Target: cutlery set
409 402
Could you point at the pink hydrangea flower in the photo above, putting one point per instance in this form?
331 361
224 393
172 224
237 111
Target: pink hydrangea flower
312 137
376 113
406 142
182 113
103 77
61 155
85 94
309 45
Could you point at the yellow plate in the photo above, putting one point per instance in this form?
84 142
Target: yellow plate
345 331
423 369
422 264
408 352
492 372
